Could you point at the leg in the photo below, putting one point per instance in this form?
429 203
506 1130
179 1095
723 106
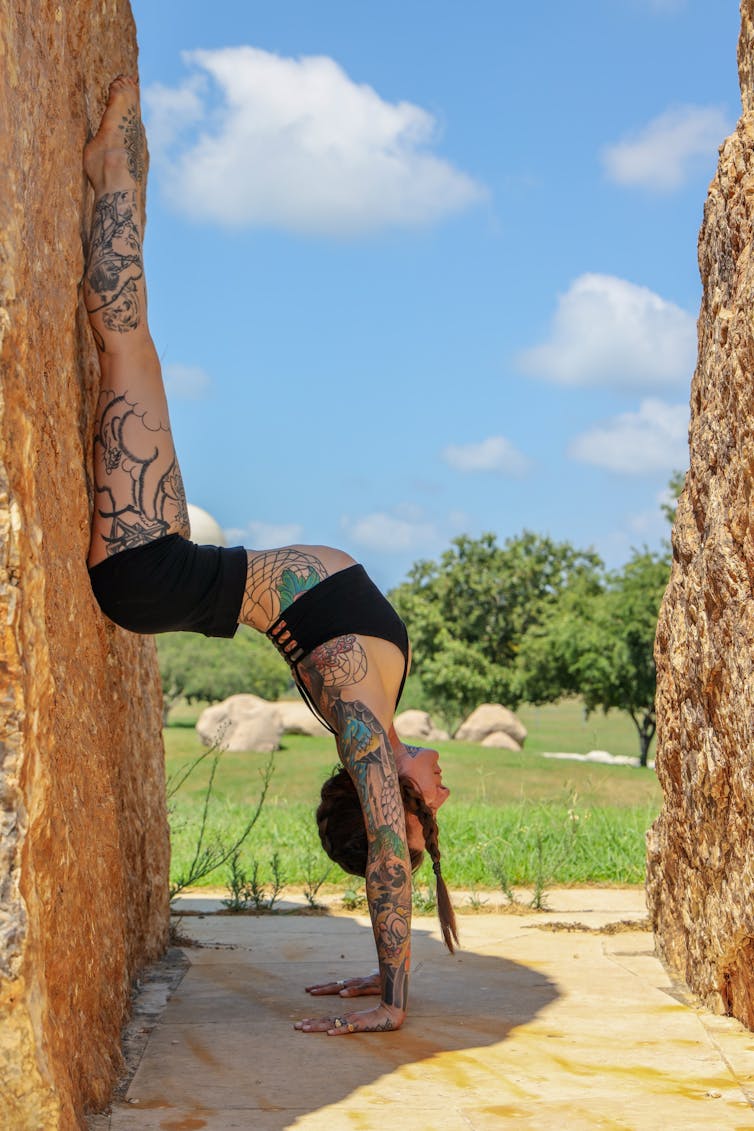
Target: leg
276 577
139 491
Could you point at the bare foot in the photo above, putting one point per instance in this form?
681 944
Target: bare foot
116 157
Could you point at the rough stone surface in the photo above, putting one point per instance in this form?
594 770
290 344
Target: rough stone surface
83 832
700 859
418 724
241 722
488 718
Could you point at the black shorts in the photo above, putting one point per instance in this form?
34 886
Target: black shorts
347 602
173 585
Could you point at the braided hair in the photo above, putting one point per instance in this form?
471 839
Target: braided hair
340 820
414 802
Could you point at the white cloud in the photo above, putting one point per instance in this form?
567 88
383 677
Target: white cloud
607 331
390 533
265 535
297 144
651 524
663 153
493 454
173 110
637 443
186 381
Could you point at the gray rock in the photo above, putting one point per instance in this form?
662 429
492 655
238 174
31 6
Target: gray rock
501 740
418 724
298 719
490 718
242 722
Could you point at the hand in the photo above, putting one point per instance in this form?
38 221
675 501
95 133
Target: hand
348 987
383 1019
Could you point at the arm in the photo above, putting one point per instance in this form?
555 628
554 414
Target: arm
367 755
331 670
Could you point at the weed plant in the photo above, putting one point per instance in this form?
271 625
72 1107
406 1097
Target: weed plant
209 846
514 819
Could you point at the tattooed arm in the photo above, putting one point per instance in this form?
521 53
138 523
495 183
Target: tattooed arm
366 753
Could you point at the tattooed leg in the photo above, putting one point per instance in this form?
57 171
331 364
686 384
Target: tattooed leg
276 578
139 491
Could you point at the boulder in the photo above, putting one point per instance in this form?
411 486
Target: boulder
501 739
298 719
700 873
84 846
418 724
490 718
242 722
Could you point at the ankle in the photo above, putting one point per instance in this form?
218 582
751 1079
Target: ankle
114 174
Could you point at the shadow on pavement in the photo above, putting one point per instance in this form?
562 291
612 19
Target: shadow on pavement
225 1043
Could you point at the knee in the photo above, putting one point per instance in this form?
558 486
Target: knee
339 559
181 526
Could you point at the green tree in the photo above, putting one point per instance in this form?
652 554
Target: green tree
598 642
195 667
676 483
468 612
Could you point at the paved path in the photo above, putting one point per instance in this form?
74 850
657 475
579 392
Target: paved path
524 1028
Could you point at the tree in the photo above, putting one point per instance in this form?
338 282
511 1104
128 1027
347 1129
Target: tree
194 667
676 483
468 613
598 642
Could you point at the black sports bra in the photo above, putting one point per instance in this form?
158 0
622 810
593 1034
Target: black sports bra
344 603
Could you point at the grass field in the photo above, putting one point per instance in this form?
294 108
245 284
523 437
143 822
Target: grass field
513 818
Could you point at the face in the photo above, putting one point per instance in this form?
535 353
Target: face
422 765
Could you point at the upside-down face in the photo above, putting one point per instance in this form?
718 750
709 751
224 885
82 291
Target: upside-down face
422 765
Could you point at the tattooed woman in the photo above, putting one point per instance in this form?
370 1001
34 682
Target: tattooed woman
347 648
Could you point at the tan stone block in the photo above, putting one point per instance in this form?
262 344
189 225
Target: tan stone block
83 832
700 878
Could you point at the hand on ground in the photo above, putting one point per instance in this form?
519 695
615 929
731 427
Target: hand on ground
347 987
383 1019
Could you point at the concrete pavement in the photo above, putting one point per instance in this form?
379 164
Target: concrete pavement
526 1027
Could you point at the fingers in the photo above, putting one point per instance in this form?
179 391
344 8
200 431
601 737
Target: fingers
362 988
333 1026
325 988
342 1027
382 1019
346 987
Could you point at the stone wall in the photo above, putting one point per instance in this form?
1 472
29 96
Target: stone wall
701 848
83 834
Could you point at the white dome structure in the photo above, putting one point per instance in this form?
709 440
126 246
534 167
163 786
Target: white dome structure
204 528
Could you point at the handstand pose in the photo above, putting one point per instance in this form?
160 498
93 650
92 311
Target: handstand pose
347 648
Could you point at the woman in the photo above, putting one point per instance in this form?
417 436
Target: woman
347 647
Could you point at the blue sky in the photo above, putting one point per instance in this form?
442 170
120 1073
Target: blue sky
420 269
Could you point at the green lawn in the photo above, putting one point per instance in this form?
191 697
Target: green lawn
513 818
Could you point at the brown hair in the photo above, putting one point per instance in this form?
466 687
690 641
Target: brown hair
340 820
